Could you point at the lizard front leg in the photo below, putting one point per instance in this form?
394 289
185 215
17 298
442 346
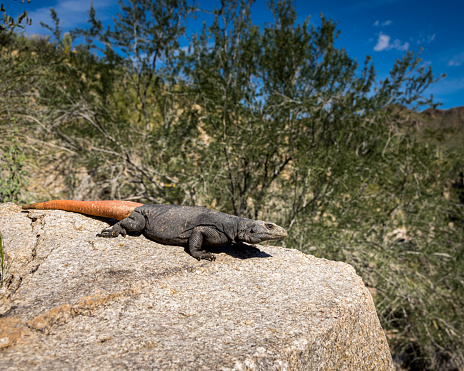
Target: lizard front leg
135 222
195 242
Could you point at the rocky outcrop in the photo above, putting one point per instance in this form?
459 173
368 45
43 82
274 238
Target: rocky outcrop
455 111
75 301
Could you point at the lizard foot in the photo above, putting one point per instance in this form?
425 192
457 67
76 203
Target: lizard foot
112 232
203 255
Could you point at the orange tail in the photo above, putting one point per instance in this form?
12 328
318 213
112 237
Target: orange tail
109 209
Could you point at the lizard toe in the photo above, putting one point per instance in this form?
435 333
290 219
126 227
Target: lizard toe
208 256
105 234
112 232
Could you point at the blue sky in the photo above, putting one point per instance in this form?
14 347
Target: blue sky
383 29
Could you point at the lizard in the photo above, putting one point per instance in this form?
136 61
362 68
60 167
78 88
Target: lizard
189 226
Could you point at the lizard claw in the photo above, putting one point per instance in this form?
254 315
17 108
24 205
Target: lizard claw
203 255
112 232
106 234
208 256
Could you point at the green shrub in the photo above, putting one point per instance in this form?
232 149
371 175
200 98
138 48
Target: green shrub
13 177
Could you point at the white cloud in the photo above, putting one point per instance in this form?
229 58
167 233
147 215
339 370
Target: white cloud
72 13
426 40
385 23
457 60
383 43
397 45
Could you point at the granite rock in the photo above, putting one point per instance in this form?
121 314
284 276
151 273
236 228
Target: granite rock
75 301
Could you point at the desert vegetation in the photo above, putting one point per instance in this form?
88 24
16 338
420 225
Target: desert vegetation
271 122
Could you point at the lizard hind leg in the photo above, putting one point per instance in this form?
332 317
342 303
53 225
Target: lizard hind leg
195 244
135 222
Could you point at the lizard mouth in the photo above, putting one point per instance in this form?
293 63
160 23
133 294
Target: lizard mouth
280 234
274 238
277 237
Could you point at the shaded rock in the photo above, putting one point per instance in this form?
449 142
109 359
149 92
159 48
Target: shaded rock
73 300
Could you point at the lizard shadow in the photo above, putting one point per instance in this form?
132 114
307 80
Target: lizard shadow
238 250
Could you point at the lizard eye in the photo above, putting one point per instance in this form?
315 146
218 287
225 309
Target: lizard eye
269 226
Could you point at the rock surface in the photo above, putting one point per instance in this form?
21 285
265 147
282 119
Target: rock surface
75 301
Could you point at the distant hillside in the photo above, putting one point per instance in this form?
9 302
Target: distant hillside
443 127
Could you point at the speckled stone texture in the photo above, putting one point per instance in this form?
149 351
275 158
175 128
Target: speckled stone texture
76 301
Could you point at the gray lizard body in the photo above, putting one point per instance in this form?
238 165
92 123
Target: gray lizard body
191 226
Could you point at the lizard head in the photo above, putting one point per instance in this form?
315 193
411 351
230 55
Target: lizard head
258 231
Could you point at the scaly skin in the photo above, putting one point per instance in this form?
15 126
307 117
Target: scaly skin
191 226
